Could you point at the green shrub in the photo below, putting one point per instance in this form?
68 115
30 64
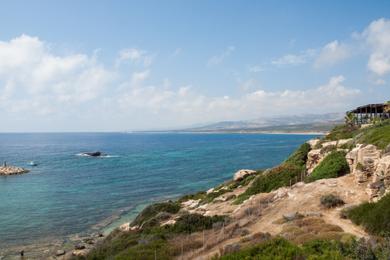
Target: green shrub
331 201
190 223
341 132
152 210
299 157
274 249
279 176
122 245
374 217
196 196
378 135
280 248
334 165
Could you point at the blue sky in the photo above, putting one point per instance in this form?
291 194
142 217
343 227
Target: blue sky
129 65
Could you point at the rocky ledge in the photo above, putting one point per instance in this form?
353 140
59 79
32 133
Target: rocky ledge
12 170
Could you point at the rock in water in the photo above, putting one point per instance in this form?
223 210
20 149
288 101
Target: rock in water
12 170
93 154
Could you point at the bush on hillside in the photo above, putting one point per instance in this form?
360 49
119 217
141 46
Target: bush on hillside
374 217
378 135
334 165
341 132
152 210
331 201
279 176
280 248
190 223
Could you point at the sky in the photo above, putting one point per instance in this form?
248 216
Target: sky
140 65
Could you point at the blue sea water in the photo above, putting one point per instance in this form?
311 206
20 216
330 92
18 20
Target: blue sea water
67 193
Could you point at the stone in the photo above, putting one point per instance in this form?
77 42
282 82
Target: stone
210 191
125 227
79 246
191 203
60 252
292 216
80 253
241 174
362 161
314 157
12 170
169 222
313 142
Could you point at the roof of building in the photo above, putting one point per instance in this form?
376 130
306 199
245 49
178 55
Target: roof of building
370 108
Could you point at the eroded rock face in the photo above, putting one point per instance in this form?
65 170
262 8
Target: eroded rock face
241 174
370 164
315 156
362 161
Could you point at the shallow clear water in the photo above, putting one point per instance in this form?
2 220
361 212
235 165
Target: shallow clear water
68 194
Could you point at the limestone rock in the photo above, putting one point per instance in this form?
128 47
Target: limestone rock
362 161
125 227
241 174
313 159
60 252
12 170
169 222
313 142
210 191
191 204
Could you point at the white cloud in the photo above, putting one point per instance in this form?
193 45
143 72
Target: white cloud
138 77
377 36
294 59
331 54
134 55
31 74
218 59
80 93
256 68
177 52
186 106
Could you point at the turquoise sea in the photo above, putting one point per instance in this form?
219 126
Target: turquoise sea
68 193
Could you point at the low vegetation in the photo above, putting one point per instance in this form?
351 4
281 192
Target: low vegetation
342 132
374 217
280 248
334 165
331 201
285 174
378 135
153 240
151 211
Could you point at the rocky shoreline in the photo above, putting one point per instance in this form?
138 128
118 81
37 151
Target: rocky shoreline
11 170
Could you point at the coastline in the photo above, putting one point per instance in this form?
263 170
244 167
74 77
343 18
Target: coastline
48 246
235 132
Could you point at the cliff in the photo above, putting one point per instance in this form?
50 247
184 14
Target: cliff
306 207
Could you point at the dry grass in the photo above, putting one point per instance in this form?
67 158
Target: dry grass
310 228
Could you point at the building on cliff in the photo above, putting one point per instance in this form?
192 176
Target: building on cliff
369 113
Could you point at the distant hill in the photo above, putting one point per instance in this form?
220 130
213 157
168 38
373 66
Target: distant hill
296 123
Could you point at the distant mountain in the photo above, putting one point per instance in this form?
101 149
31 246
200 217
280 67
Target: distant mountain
309 122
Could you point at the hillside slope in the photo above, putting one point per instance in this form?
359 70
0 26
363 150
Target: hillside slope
304 202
